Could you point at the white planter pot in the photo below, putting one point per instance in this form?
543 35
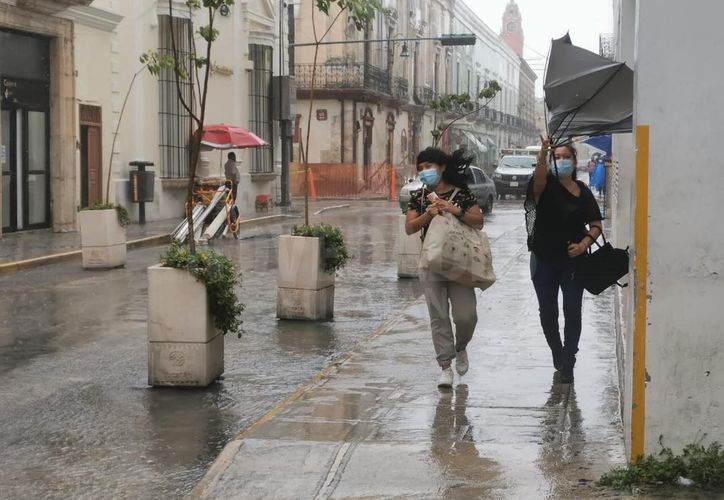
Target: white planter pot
102 239
408 251
305 290
184 347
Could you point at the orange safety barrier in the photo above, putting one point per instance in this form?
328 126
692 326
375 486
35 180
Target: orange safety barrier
312 187
343 181
393 183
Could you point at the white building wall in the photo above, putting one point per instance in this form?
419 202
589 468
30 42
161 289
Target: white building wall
677 95
106 62
622 213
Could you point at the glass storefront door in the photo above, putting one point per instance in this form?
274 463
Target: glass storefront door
25 130
24 156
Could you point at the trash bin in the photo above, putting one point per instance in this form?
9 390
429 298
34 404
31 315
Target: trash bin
141 186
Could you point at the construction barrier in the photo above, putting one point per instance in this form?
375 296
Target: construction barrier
345 181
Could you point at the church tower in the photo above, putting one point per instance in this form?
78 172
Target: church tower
512 31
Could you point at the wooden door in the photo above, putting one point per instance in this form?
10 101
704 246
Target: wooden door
91 137
95 165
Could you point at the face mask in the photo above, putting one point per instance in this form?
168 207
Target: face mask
565 167
430 177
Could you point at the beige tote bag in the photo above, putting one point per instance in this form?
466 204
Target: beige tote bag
457 252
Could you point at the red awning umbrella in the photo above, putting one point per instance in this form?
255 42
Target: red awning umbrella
230 137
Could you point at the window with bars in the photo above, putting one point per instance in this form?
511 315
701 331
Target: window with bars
174 120
260 107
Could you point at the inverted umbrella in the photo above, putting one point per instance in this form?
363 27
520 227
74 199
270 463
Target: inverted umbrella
230 137
586 94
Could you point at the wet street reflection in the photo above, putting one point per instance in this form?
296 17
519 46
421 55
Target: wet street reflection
453 448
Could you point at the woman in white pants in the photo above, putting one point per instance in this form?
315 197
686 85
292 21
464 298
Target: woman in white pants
445 190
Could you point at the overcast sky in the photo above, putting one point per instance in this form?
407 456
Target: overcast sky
544 20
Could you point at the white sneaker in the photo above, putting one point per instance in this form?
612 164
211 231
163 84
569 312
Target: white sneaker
446 378
461 362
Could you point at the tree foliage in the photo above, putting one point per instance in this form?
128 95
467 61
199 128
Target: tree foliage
194 69
462 105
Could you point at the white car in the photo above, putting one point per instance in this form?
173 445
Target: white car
513 174
479 183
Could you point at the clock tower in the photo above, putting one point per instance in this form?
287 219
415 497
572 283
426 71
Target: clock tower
512 31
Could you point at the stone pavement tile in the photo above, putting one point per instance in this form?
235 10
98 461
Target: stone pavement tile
509 428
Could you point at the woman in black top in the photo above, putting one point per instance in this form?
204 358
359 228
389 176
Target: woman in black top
445 191
558 209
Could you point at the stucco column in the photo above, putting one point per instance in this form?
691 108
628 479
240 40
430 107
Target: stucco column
62 132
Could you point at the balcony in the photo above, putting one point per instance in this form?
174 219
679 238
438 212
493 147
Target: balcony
352 76
401 89
424 95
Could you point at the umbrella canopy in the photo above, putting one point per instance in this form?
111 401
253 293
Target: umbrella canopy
230 137
586 94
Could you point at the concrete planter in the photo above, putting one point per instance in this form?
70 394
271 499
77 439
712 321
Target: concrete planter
305 290
408 251
102 239
184 347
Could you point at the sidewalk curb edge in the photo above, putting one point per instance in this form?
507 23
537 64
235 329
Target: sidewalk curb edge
222 461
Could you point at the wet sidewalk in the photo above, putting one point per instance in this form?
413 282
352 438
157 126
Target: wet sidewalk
37 244
374 425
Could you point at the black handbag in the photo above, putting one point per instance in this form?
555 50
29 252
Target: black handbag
596 271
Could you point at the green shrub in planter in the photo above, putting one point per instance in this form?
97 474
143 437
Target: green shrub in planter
335 248
123 217
219 275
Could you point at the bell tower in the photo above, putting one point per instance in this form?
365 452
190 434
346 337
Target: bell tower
512 30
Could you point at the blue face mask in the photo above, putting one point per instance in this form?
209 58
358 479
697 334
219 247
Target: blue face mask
430 177
565 167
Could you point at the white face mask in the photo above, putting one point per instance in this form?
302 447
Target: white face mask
564 166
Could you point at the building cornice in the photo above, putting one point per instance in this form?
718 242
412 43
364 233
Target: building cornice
92 17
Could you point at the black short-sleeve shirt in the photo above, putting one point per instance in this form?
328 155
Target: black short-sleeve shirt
561 218
419 203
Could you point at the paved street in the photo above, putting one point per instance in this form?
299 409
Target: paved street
79 419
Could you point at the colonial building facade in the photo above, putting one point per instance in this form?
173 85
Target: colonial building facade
372 99
66 68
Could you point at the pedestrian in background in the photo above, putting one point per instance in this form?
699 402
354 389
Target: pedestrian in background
558 209
231 172
445 190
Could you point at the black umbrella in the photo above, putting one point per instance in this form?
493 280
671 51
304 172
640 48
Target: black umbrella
586 94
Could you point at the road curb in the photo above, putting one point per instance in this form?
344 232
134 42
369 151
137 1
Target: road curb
149 241
328 209
226 457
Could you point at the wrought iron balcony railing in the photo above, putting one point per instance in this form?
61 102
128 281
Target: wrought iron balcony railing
356 75
424 95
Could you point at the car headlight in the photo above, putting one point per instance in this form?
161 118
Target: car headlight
497 176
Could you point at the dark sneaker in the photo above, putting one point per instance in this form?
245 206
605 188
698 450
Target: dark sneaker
566 376
557 360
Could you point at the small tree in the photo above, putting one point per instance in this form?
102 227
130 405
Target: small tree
361 13
198 78
461 105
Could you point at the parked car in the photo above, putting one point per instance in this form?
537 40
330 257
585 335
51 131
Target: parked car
479 183
513 174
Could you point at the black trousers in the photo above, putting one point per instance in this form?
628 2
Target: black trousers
550 276
234 190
